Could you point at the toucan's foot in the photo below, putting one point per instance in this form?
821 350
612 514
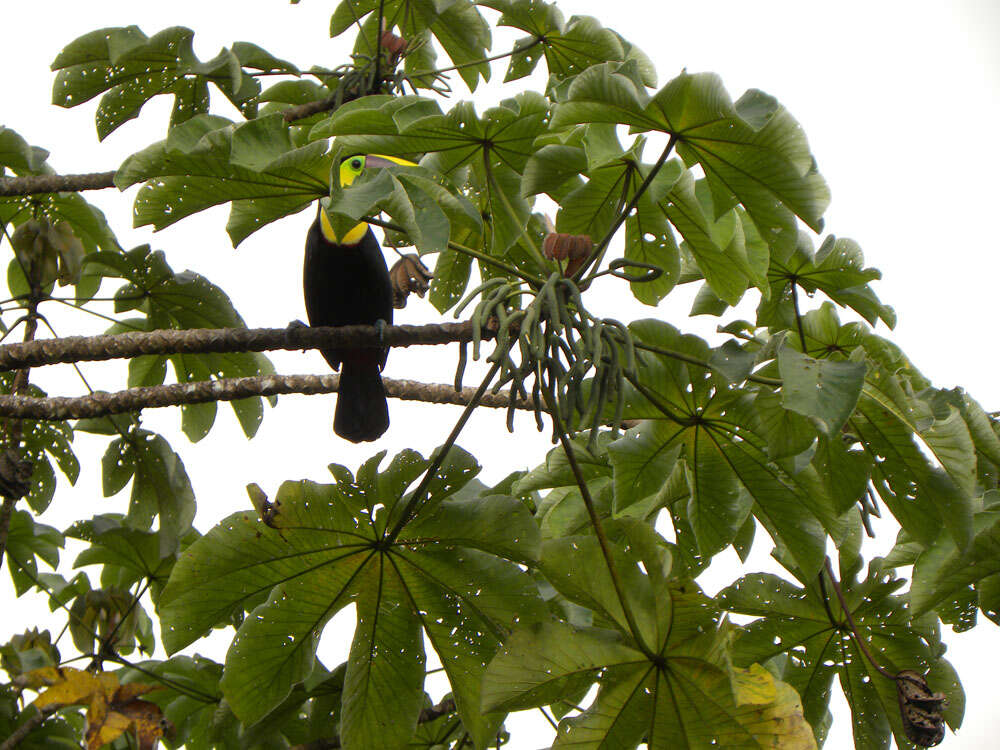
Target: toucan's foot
292 329
380 326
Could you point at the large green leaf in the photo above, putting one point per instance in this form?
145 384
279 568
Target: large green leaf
685 696
326 546
944 570
182 301
794 622
568 47
824 390
208 161
128 555
836 269
725 451
27 542
752 151
923 497
46 444
131 68
160 485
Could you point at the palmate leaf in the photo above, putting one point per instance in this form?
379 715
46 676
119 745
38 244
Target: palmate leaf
725 452
160 486
17 155
808 650
825 390
27 542
482 156
458 27
128 555
944 571
897 431
446 574
567 47
182 301
208 161
836 269
677 691
674 201
752 151
412 125
130 68
46 444
189 696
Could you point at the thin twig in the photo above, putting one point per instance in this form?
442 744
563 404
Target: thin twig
595 520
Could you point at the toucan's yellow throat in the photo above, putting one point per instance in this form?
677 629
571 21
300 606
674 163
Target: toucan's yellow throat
350 169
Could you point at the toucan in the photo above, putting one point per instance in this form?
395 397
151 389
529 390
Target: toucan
346 282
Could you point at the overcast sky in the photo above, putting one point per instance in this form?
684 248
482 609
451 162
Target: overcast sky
899 101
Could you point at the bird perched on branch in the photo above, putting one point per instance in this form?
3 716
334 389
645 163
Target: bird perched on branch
346 282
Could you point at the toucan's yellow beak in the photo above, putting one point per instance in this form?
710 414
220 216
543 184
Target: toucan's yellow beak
378 160
350 169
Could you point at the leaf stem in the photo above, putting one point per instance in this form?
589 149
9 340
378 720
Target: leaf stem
661 407
598 252
851 625
680 356
595 520
471 63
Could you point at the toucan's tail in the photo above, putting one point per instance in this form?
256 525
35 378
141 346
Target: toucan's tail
362 413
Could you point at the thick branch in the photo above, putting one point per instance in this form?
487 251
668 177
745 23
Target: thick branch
55 183
218 340
103 404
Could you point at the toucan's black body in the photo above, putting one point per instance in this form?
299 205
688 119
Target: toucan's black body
349 285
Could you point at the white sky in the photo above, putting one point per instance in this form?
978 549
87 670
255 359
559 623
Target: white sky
899 101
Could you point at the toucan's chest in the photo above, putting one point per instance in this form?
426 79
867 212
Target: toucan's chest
345 284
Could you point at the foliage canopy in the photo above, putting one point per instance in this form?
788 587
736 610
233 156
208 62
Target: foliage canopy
571 588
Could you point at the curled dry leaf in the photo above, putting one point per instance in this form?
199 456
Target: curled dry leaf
920 709
409 274
573 248
394 45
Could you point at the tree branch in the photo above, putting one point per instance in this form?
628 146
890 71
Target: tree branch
103 404
19 734
55 183
221 340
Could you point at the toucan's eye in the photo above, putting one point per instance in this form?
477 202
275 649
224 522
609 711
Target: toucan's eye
355 163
